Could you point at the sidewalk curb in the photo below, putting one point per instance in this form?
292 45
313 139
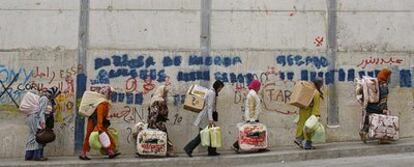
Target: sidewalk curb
286 154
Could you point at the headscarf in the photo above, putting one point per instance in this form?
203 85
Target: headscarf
318 82
384 75
159 94
52 92
106 91
255 85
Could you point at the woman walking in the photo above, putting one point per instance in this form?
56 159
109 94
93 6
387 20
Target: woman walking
305 113
377 108
99 121
252 107
158 114
40 118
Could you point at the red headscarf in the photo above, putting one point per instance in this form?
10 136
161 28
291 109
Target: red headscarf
255 85
384 75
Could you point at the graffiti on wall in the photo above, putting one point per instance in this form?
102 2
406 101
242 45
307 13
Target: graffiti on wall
379 61
142 73
9 79
14 83
310 67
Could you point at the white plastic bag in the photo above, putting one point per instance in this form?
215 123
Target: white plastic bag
29 103
104 139
311 123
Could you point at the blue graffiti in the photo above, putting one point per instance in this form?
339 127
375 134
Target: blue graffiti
234 78
119 97
102 77
298 60
15 95
138 62
102 62
343 75
351 75
125 61
193 76
129 98
9 74
124 72
114 96
129 67
168 61
139 98
178 99
225 61
405 78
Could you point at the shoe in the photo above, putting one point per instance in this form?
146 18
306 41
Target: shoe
308 145
84 157
363 136
263 150
112 156
299 143
214 154
188 153
40 159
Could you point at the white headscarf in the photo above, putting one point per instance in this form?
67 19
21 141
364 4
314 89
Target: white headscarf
159 94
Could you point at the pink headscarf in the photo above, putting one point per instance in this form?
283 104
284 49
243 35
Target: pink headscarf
255 85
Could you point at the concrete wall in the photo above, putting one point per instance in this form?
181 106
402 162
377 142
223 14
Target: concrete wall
137 45
38 45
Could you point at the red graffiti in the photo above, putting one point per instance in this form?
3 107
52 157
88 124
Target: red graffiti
239 87
270 96
44 74
52 75
131 85
129 114
119 114
318 41
148 85
377 61
70 88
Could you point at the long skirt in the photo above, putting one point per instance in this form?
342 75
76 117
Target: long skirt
34 150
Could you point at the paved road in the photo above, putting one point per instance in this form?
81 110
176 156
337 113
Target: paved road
392 160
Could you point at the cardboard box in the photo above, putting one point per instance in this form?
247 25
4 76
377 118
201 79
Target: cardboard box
195 98
302 94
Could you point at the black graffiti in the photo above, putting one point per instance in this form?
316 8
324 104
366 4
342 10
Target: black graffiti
28 86
177 119
129 131
6 88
